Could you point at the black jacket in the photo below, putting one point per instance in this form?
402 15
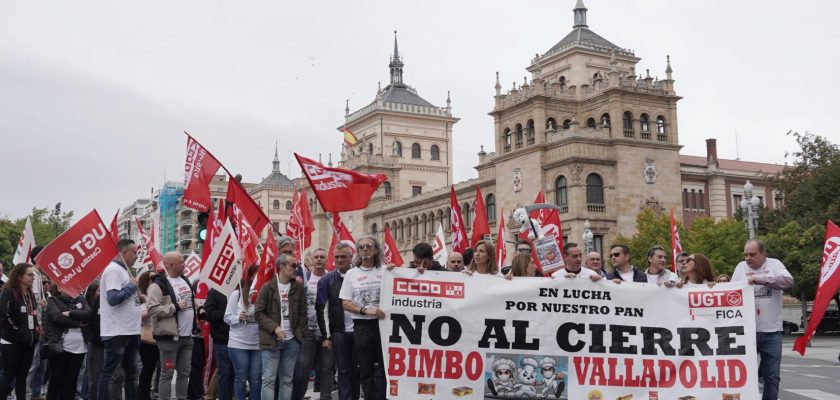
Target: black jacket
14 318
95 331
214 309
638 276
327 299
435 266
56 324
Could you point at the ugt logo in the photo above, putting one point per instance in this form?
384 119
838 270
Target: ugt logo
719 298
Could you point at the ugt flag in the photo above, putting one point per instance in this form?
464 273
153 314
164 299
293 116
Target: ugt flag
828 286
339 189
223 269
76 257
199 169
25 244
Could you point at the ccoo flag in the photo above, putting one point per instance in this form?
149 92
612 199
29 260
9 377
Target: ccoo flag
828 286
223 269
339 189
199 169
390 251
75 258
440 254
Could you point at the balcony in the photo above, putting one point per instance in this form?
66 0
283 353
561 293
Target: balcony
596 208
629 133
564 209
186 210
530 140
186 237
507 147
645 135
662 138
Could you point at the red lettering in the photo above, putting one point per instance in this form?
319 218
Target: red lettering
667 373
630 380
430 363
474 366
720 373
411 370
611 365
396 357
453 365
581 368
688 374
598 372
705 380
737 368
648 374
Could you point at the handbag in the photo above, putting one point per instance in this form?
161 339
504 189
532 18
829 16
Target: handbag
53 349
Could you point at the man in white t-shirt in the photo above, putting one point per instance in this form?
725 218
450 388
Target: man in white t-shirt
119 311
769 278
573 255
311 349
360 294
172 310
658 271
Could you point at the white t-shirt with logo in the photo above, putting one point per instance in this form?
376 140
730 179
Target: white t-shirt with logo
121 319
285 322
659 279
362 286
348 316
311 293
583 273
768 302
185 316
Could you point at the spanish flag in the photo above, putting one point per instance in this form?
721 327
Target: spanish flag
349 137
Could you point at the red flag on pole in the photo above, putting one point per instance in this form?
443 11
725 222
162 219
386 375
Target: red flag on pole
550 222
252 212
300 225
204 326
676 246
267 268
76 257
306 217
339 189
115 233
480 225
459 231
343 234
390 251
152 252
199 169
246 237
828 286
215 226
501 251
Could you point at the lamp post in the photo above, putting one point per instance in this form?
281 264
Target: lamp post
587 237
750 203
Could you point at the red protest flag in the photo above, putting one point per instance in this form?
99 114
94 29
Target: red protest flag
480 225
828 286
215 226
115 233
76 257
550 221
501 251
199 169
390 251
152 252
247 238
342 234
306 217
676 246
192 265
459 231
267 268
223 268
252 212
300 224
339 189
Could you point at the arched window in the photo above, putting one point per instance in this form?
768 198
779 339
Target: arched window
276 205
627 121
402 231
562 81
644 122
590 123
415 150
660 125
551 124
567 123
397 148
561 192
288 204
370 149
416 226
387 187
518 135
374 229
465 209
490 205
529 132
435 152
605 120
594 189
506 137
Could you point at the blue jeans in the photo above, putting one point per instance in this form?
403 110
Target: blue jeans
282 358
348 374
247 366
125 351
770 350
224 372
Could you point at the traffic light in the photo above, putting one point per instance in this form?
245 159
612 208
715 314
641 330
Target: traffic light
202 226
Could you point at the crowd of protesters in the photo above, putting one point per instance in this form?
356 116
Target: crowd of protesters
136 336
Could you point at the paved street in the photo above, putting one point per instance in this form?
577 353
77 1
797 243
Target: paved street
814 376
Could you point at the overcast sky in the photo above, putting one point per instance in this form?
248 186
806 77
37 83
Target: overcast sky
95 95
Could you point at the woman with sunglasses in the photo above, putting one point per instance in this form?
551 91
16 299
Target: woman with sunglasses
697 269
19 330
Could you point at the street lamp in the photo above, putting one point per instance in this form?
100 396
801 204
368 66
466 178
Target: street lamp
587 237
750 203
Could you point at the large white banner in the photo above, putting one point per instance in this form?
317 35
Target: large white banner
449 335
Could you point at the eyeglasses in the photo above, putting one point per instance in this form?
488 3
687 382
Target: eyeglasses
366 246
616 255
524 250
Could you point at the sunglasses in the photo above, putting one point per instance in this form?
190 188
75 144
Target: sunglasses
616 255
365 246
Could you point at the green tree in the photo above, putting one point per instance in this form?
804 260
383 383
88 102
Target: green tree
46 226
651 229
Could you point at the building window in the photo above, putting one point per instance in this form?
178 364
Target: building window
590 123
551 124
605 120
415 150
518 135
397 148
594 189
276 205
435 151
530 131
387 187
506 137
627 124
598 244
416 190
370 149
561 193
567 123
701 202
644 123
660 125
736 204
276 226
374 229
490 204
288 204
465 209
562 81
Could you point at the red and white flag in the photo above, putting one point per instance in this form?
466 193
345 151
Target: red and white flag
501 251
209 357
676 246
480 226
214 229
300 224
115 232
223 269
152 253
25 244
550 221
342 234
439 252
192 266
267 268
390 251
237 195
459 231
828 286
199 169
339 189
76 257
248 239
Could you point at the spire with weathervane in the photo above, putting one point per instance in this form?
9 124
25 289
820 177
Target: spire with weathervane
580 15
396 65
275 165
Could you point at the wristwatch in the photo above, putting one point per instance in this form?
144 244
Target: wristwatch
362 311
